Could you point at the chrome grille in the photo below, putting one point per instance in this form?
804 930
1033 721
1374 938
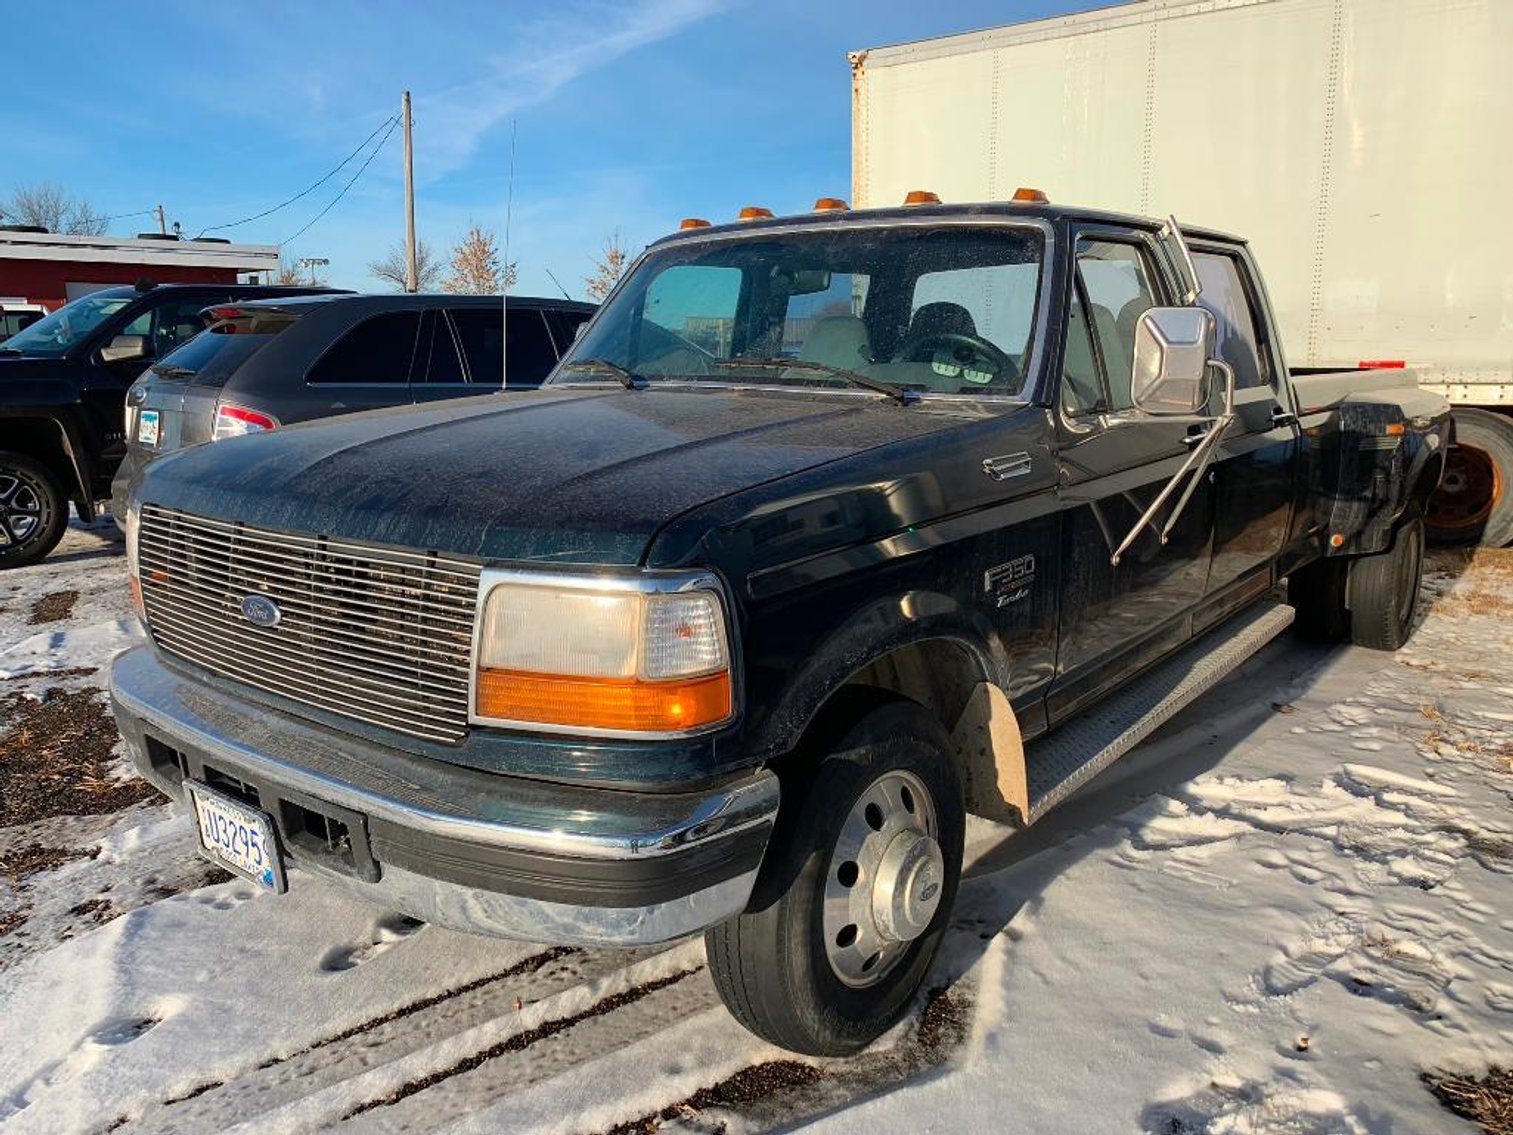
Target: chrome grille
380 635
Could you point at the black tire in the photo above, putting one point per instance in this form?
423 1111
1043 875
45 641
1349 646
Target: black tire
771 964
33 510
1474 503
1383 590
1317 593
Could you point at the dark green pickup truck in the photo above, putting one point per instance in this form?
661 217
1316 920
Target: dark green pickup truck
829 530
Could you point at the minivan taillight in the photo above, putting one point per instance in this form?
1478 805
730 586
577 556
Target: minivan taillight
234 421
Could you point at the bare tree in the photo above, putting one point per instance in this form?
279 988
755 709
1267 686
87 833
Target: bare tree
475 266
392 268
291 273
48 204
607 269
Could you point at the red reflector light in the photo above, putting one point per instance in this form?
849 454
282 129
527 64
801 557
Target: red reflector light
1382 364
234 421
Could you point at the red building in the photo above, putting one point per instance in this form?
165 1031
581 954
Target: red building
51 269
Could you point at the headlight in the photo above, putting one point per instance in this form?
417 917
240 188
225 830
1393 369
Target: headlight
633 657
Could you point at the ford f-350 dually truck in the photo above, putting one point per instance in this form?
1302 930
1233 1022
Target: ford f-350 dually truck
829 530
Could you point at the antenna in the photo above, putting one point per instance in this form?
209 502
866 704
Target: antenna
556 281
504 300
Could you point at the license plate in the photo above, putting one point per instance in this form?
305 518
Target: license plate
147 427
237 837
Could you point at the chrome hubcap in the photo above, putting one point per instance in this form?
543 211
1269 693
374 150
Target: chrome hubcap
20 509
885 879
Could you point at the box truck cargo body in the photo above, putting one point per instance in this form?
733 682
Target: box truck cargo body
1364 147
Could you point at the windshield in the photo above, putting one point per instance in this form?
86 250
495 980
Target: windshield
940 309
71 323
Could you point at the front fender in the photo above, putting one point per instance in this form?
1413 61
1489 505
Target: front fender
873 631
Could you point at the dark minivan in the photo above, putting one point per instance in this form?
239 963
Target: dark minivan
271 363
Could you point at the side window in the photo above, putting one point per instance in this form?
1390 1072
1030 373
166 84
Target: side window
378 350
528 347
480 333
1225 294
564 325
445 366
1116 279
174 324
1081 387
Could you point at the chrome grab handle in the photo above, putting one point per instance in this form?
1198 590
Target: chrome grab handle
1195 438
1281 417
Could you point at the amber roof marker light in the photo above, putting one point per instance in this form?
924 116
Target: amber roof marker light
1027 196
831 205
921 197
755 213
693 223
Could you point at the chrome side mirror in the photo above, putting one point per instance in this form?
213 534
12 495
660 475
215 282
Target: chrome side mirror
124 348
1173 346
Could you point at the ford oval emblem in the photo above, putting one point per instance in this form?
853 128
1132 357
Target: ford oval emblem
261 611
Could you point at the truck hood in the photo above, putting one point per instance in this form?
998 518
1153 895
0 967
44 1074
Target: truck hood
568 475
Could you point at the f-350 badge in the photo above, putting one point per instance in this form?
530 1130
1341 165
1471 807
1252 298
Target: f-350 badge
1010 582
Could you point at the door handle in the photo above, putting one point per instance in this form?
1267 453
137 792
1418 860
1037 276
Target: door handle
1194 437
1281 417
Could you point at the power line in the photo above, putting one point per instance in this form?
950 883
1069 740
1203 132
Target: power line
308 190
393 125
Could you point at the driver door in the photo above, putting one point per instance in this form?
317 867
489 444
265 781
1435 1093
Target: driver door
1117 618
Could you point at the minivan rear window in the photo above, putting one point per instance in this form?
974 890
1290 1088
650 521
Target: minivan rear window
212 357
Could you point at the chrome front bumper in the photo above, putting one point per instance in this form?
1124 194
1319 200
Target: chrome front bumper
456 846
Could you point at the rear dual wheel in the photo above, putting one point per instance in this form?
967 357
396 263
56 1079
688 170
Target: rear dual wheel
855 892
1370 600
1474 501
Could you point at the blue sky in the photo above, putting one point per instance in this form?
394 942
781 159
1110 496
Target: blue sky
630 115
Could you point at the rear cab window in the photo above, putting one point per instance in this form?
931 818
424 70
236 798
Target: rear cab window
1228 296
379 351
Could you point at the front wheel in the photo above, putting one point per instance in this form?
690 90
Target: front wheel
1383 590
33 510
855 893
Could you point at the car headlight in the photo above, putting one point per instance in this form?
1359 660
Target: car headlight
640 656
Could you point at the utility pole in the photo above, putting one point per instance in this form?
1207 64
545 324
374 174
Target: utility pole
162 224
412 281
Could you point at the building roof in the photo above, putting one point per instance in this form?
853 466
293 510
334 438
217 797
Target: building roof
126 250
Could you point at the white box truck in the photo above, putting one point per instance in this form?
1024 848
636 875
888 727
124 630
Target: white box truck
1365 147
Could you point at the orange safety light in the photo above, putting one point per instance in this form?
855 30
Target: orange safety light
605 703
1025 195
921 197
755 213
693 223
830 205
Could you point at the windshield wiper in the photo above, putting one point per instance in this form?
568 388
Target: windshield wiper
899 394
628 378
169 370
10 350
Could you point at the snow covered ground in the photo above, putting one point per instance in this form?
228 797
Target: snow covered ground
1274 916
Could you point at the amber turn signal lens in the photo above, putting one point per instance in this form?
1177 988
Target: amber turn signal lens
830 205
622 704
1026 195
755 213
921 197
693 223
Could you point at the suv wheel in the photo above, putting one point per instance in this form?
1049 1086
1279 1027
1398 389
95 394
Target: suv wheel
855 893
33 510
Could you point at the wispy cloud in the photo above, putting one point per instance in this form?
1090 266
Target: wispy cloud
546 56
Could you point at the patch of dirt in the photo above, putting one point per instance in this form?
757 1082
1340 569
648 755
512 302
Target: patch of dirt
71 672
746 1087
12 920
55 759
35 857
943 1024
53 608
99 910
1484 581
1487 1100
